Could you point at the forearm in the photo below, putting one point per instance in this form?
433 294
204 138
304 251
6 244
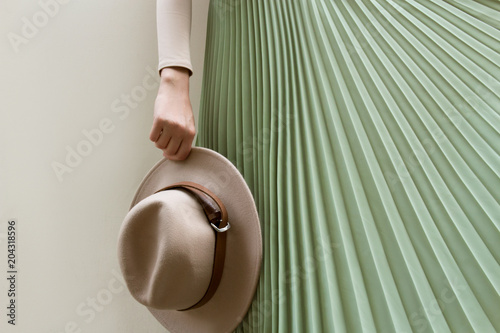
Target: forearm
173 19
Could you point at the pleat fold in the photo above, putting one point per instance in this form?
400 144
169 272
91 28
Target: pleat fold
368 133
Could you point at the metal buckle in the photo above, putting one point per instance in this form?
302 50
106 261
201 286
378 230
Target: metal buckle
220 229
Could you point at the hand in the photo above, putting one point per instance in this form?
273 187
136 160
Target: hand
173 128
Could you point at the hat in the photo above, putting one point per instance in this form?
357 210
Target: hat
190 247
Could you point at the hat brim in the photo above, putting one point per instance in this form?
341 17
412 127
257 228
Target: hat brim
226 309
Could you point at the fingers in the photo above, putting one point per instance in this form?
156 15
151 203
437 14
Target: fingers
175 143
170 150
163 139
156 130
183 151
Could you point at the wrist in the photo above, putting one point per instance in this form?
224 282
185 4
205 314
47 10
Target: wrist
174 75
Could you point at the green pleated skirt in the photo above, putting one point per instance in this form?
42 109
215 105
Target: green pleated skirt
368 133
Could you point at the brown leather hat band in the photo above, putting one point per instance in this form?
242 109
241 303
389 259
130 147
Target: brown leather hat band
217 215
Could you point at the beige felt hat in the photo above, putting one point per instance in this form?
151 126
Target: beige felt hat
190 247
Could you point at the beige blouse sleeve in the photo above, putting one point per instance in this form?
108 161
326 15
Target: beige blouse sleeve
173 21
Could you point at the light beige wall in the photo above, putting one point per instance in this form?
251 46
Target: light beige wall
63 76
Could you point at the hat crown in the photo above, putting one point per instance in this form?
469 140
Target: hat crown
167 248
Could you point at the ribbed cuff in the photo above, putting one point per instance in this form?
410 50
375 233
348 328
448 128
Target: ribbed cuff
186 65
